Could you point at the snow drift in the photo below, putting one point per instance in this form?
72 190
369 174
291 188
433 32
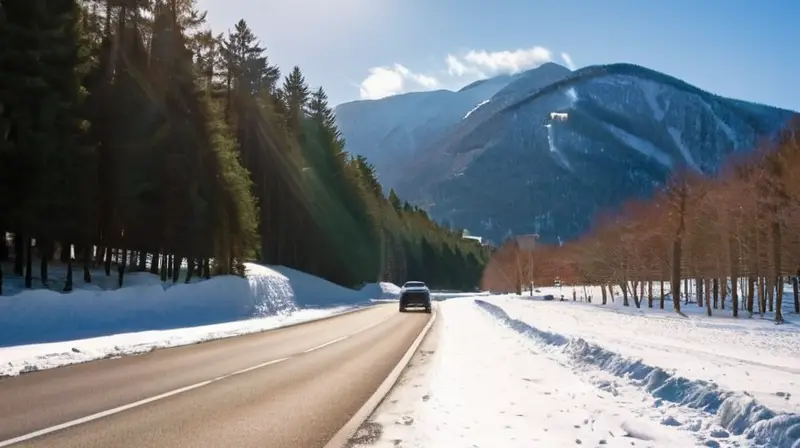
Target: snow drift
38 316
737 413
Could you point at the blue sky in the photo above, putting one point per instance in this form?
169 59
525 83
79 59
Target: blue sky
355 49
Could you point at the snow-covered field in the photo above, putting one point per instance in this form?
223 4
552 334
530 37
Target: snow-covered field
40 328
503 371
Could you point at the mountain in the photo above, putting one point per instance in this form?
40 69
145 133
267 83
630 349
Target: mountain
391 130
546 157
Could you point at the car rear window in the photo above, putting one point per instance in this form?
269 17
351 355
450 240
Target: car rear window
414 285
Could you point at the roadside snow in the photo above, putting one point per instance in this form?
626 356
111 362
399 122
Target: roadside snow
744 355
477 383
42 329
29 358
507 372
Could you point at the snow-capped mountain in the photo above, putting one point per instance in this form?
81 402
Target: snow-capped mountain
548 156
389 131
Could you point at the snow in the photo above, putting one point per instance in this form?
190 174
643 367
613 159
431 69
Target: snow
505 371
42 329
475 108
553 149
676 135
651 91
643 146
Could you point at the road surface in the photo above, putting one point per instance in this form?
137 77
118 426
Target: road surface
293 387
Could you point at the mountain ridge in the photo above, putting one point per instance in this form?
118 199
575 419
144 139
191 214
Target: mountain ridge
619 129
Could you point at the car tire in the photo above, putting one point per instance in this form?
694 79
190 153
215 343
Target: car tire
402 310
428 309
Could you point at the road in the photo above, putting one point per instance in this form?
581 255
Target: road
293 387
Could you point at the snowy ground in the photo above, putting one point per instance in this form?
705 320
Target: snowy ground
501 371
42 328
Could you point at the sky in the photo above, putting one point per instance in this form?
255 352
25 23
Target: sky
366 49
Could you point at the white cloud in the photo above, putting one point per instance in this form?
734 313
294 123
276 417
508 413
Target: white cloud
457 68
514 61
471 65
568 60
387 81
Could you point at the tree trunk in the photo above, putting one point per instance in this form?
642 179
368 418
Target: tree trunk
723 292
68 283
770 285
170 266
164 267
675 279
796 293
715 287
44 249
141 263
100 255
107 264
735 295
649 294
708 306
1 279
65 253
206 268
698 287
686 290
751 287
123 263
87 263
661 295
762 300
624 287
28 263
777 239
190 265
3 245
176 270
779 299
19 254
154 263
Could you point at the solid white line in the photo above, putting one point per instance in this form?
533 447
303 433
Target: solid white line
126 407
326 344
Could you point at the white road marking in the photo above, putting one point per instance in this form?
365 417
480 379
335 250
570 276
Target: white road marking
372 325
136 404
326 344
126 407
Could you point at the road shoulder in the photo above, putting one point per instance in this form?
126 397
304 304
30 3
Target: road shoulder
414 384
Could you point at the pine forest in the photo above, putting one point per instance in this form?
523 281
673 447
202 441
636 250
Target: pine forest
134 138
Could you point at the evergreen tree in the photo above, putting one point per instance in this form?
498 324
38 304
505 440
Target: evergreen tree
131 137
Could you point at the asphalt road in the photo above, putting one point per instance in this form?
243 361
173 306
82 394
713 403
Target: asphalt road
293 387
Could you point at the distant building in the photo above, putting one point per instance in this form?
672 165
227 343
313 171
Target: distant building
465 235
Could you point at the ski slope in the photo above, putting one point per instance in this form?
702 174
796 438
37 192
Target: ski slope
505 371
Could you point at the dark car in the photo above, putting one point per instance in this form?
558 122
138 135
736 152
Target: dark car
415 294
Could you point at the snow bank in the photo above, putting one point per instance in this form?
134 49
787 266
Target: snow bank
444 295
148 314
381 291
738 413
474 382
